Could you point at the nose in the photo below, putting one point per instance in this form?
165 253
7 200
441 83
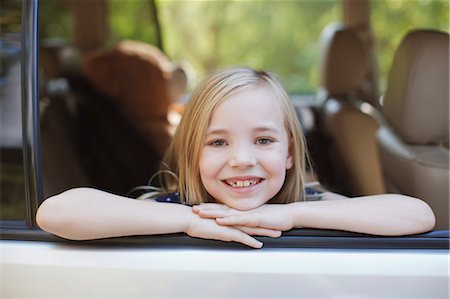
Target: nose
242 156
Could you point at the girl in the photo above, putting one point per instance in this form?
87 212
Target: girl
236 165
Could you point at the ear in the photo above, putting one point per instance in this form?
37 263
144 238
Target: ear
289 162
290 157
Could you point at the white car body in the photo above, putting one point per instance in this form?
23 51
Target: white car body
84 271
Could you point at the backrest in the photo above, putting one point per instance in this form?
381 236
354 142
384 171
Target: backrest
345 63
137 76
416 102
416 106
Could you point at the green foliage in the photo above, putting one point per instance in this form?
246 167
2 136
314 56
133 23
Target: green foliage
54 20
130 19
281 36
10 16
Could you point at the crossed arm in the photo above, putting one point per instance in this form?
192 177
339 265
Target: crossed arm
85 213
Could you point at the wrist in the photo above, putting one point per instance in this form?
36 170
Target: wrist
298 214
188 220
170 218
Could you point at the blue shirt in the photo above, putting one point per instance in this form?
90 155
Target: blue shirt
310 193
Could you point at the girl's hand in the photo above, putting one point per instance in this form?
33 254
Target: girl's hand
278 217
210 229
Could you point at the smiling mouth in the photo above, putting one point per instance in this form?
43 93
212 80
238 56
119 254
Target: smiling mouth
242 183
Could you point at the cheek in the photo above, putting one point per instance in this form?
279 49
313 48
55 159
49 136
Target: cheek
277 167
207 168
281 175
274 165
203 166
280 161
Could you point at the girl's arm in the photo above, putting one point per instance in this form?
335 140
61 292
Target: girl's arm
387 214
84 213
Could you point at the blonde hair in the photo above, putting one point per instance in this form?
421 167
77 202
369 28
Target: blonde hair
183 155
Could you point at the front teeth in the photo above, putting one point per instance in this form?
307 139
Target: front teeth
245 183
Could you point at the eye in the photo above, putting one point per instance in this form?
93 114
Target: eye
217 143
264 141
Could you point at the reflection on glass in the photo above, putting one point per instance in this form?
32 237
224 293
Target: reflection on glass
12 191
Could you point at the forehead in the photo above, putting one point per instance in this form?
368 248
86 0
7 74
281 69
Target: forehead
252 97
253 105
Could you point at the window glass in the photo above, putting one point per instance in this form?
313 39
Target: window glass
391 20
55 27
79 125
12 188
54 20
131 20
281 36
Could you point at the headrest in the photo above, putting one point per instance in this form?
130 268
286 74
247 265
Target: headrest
416 103
344 60
135 74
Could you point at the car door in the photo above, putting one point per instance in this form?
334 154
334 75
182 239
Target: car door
302 263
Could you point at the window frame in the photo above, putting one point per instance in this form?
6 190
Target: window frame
29 115
293 239
30 110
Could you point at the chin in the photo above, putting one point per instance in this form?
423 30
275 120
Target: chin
244 205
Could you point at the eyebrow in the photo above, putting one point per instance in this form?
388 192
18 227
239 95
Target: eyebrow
260 129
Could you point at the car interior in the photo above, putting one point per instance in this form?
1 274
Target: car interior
135 112
358 146
413 141
347 113
107 113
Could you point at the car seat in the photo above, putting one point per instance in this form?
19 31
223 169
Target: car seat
350 122
414 142
59 128
137 77
92 137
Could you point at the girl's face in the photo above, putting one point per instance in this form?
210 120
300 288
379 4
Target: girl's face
245 156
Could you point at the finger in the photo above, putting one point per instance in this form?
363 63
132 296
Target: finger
209 229
259 231
241 237
215 213
248 220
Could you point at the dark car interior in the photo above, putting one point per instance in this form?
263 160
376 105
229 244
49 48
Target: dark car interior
94 122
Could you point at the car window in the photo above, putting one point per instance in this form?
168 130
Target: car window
12 182
81 131
200 36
